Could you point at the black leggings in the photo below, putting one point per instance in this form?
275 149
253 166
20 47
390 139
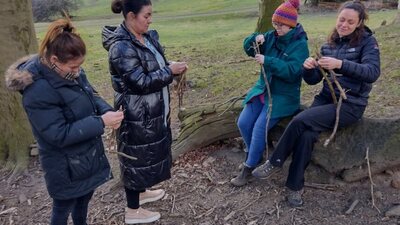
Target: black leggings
303 131
77 206
132 198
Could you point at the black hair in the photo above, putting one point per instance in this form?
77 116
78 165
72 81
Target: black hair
126 6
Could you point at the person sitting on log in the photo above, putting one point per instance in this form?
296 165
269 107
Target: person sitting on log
281 53
352 58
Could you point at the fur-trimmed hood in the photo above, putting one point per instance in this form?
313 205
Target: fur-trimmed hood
21 73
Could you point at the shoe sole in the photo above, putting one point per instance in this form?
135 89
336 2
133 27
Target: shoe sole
147 200
139 221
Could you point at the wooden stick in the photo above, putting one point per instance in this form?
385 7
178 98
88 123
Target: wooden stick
327 81
329 187
123 155
341 91
269 110
339 105
352 206
181 89
173 204
372 182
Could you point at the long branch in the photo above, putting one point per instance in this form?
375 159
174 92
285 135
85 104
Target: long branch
269 110
338 106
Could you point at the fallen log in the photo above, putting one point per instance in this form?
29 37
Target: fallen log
345 156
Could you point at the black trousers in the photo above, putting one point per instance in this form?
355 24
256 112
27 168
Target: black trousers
77 207
132 198
302 132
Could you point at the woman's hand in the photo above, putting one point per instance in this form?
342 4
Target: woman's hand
310 63
178 68
260 39
113 119
330 63
259 58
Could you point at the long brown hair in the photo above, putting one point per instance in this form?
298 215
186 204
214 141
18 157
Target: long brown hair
358 33
62 41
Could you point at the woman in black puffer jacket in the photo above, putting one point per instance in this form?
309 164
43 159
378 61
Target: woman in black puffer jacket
353 54
140 76
68 118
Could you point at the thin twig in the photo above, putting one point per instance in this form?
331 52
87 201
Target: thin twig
173 203
372 182
327 80
352 206
181 87
341 90
329 187
339 105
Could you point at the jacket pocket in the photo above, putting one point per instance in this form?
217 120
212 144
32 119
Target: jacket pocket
82 166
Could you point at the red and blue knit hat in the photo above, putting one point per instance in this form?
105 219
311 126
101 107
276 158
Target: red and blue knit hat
286 13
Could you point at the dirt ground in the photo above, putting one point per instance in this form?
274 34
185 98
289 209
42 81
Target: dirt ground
200 193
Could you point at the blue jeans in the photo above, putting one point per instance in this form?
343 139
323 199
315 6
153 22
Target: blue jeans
78 207
251 123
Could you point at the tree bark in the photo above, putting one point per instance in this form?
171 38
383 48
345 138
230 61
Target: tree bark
266 10
397 18
344 156
17 39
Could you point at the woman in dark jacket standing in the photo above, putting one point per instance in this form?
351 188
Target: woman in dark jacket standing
353 54
140 76
67 118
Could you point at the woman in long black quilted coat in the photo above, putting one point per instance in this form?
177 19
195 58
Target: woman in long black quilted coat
140 76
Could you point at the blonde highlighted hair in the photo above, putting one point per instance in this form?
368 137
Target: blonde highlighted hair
62 41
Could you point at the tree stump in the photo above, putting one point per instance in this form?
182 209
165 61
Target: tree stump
344 156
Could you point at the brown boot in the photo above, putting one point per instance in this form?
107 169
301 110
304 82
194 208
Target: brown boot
140 215
151 196
243 177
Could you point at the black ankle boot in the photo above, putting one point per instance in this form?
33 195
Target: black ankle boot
243 177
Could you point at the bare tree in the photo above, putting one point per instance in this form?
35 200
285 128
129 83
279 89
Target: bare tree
17 38
43 10
266 9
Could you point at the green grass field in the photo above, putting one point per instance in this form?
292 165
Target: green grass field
210 40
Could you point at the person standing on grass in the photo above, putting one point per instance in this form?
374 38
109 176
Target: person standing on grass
68 118
140 76
353 54
283 51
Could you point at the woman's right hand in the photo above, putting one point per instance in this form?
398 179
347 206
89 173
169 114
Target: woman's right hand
178 68
260 39
310 63
113 119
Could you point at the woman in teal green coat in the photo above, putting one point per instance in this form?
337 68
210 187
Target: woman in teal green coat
282 53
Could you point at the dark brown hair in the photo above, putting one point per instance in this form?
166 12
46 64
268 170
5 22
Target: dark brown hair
358 33
62 41
126 6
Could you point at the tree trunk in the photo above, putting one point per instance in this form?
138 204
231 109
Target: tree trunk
17 39
397 19
344 156
266 10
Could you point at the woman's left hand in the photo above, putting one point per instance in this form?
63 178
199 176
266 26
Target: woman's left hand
330 63
259 58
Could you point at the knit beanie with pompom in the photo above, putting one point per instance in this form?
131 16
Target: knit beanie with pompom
286 13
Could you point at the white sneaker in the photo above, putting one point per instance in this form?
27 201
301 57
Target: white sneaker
151 196
140 215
